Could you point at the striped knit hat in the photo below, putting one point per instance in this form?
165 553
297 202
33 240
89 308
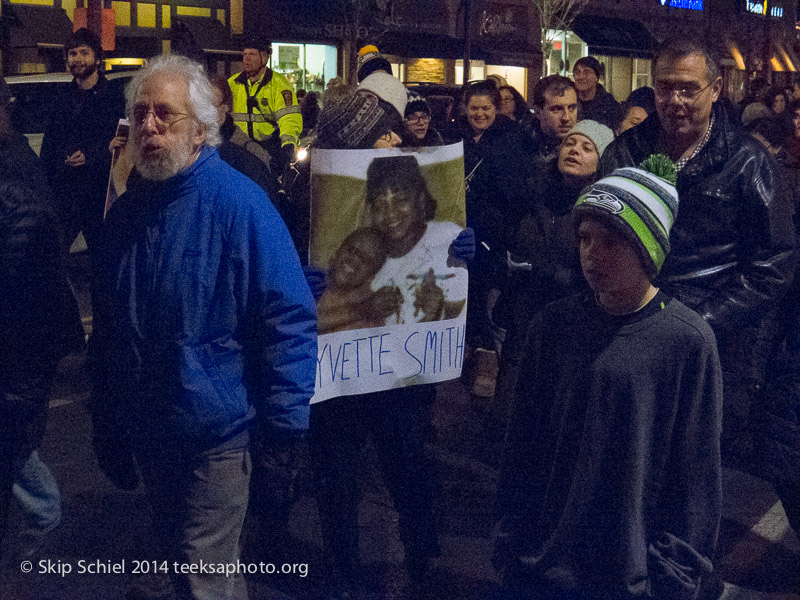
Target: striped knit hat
641 204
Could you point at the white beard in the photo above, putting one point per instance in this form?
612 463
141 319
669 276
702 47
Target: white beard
165 162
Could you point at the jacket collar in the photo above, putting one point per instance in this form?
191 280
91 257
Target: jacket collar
168 190
716 151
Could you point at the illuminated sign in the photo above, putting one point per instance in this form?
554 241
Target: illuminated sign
687 4
764 7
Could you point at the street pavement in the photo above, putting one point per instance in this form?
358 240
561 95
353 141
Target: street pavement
759 555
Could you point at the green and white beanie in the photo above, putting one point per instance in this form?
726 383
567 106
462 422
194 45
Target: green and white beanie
641 203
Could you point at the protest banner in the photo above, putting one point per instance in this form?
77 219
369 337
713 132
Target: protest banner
120 168
394 311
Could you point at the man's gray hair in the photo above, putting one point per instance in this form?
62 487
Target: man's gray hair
678 47
200 90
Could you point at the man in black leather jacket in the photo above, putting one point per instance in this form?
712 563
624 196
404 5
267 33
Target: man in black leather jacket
733 245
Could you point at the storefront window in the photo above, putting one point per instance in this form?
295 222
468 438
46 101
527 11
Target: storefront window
477 71
515 76
566 49
307 66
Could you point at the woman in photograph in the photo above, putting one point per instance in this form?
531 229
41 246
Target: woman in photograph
419 282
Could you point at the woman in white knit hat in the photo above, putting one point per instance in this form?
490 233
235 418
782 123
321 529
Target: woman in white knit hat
543 260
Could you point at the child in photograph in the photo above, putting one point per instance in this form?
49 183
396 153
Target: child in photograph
348 302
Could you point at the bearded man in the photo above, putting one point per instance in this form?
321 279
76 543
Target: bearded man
204 327
75 144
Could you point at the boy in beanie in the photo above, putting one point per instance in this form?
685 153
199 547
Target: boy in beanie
610 485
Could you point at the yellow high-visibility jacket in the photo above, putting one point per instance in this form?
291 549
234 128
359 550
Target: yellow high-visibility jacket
270 102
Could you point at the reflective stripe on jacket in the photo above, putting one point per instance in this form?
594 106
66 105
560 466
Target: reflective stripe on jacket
272 104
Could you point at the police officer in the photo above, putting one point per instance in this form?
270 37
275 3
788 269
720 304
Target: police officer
265 105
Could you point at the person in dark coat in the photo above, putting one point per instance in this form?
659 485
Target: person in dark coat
419 133
497 159
594 102
39 321
555 105
733 245
611 479
516 109
542 259
75 145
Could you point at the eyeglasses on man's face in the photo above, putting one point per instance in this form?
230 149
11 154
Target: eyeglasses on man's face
665 91
164 116
418 118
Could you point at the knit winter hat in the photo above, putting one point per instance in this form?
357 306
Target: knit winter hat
356 123
388 88
370 61
416 103
600 135
641 204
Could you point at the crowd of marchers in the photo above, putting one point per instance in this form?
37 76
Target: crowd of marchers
632 307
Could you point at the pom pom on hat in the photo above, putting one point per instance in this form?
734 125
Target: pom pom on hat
369 61
642 206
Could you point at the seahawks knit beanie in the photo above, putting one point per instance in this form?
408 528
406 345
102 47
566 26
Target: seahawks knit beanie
389 88
353 124
600 135
641 204
369 61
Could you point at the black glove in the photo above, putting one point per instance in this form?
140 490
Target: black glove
115 459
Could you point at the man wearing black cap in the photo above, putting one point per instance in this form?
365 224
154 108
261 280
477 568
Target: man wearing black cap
75 146
594 102
265 105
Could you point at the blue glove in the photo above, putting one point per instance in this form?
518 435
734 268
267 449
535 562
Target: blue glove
317 281
463 247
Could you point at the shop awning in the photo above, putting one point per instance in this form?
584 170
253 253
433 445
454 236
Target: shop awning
31 26
203 33
614 37
785 56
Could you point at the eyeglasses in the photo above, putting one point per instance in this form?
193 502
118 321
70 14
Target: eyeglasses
665 91
163 115
418 118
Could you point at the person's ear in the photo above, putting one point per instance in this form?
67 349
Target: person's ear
199 135
716 89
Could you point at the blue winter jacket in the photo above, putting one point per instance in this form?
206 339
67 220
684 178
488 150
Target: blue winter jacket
203 318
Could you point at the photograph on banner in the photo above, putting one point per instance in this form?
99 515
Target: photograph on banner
394 310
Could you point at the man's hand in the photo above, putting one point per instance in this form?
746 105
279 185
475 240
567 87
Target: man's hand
118 142
76 159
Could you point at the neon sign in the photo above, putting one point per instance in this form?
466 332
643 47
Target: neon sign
687 4
761 8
